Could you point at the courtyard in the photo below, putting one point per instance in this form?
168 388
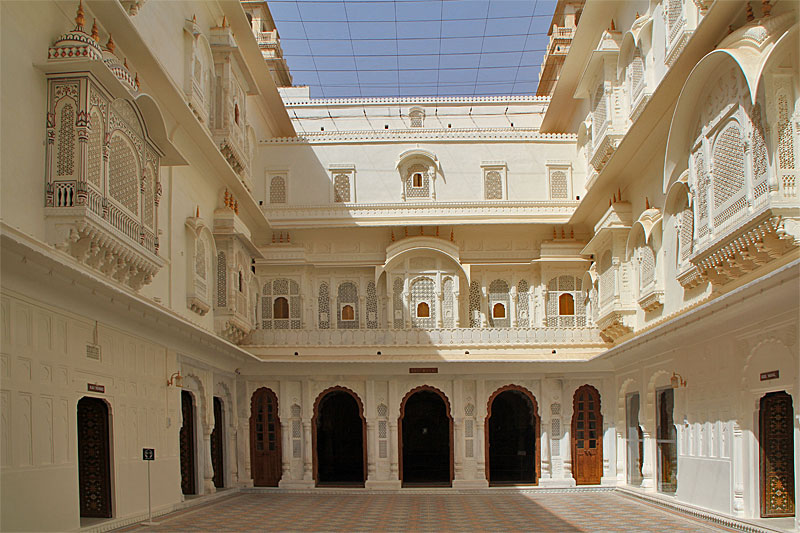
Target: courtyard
427 510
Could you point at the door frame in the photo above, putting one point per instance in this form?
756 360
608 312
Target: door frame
408 395
573 432
195 440
109 455
252 436
537 423
315 417
760 493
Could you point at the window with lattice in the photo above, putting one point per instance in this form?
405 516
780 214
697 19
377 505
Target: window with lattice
685 233
383 431
674 18
728 179
559 184
222 280
647 266
423 303
277 190
760 163
66 141
94 169
324 307
474 304
523 304
786 145
297 431
448 303
417 117
598 112
123 170
372 306
493 185
607 279
397 304
417 182
469 430
564 299
341 188
347 306
499 300
280 304
702 189
636 69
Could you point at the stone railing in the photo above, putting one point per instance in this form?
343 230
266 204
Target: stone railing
451 337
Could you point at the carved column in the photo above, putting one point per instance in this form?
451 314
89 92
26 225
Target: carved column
372 448
286 448
738 470
308 473
208 466
649 451
480 420
394 474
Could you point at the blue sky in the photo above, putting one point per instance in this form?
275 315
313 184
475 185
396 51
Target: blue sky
369 48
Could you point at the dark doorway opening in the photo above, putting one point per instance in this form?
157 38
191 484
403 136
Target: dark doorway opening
188 485
512 439
218 445
777 455
666 441
339 439
265 439
427 433
94 465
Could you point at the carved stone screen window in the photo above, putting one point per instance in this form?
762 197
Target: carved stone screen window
417 116
559 176
607 275
647 266
222 280
494 180
523 304
599 115
760 163
474 304
372 306
423 303
277 189
397 304
448 303
347 304
280 304
729 180
324 307
499 300
417 182
785 135
341 188
562 304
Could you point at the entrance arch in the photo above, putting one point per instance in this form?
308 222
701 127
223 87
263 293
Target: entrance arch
339 435
94 453
426 437
265 438
512 437
187 440
587 436
776 461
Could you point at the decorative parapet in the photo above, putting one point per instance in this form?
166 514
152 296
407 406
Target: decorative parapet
446 337
748 247
605 148
392 214
420 134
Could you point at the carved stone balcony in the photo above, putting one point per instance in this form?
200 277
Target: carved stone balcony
445 337
605 144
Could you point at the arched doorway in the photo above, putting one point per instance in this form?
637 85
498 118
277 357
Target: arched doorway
512 436
587 436
776 462
218 445
94 465
339 438
187 440
265 439
426 438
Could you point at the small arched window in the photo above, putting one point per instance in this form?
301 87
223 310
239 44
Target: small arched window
348 313
499 311
280 308
566 304
416 179
423 310
236 113
241 281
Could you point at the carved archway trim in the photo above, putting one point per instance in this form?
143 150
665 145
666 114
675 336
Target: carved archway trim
448 408
315 417
537 424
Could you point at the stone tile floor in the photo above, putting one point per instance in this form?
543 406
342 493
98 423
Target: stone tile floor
429 511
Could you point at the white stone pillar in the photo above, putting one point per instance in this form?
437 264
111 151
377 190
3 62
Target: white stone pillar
308 473
738 470
649 452
286 448
208 466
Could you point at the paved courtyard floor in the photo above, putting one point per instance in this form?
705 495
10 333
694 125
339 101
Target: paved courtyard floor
429 511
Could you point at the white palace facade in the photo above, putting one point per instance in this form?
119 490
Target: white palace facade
597 287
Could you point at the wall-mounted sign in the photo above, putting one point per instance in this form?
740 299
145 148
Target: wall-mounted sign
772 374
148 454
424 370
94 387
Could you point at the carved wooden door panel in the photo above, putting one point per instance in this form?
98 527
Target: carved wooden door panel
777 455
587 441
94 471
187 444
218 445
265 439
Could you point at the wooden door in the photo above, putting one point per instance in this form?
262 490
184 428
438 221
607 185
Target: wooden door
587 442
265 439
94 470
777 455
187 444
218 445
